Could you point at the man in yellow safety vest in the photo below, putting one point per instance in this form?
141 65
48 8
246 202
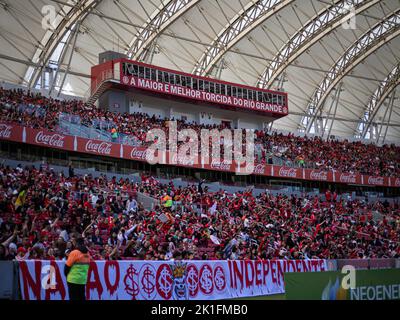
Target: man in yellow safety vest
76 270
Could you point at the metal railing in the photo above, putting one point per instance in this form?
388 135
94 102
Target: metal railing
104 77
99 130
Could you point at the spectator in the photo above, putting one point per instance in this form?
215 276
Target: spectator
328 195
114 134
71 171
131 205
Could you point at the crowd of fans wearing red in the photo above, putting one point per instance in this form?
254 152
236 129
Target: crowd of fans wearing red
42 212
345 156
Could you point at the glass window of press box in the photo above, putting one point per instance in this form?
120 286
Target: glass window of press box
204 85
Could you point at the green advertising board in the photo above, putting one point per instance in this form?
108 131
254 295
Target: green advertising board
382 284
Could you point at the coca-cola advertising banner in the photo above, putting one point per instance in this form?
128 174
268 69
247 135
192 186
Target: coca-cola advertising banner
318 175
99 147
164 280
9 131
136 153
51 139
48 139
216 98
348 178
287 172
375 181
258 169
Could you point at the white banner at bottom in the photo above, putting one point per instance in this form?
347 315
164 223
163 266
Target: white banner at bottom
164 280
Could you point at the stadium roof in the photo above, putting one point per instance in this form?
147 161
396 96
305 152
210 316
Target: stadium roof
337 59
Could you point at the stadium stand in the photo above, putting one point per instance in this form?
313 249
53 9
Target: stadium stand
37 111
42 211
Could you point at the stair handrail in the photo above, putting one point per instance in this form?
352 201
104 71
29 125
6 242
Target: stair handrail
106 76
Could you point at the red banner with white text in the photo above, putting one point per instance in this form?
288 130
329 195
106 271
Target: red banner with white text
50 139
10 132
200 95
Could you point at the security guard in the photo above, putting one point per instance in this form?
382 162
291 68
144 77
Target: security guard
167 202
76 270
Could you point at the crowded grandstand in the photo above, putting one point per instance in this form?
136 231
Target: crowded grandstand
78 122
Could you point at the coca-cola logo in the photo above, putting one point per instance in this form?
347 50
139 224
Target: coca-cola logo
220 165
259 169
250 168
375 180
5 131
140 154
185 160
319 175
347 178
98 147
53 140
288 172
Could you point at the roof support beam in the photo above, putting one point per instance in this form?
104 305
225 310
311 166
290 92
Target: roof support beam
10 10
390 109
388 121
153 28
61 59
37 65
379 35
320 25
149 53
11 71
243 23
336 102
77 26
330 117
379 96
77 13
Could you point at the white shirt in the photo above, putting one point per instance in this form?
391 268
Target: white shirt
94 199
131 205
64 235
121 237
